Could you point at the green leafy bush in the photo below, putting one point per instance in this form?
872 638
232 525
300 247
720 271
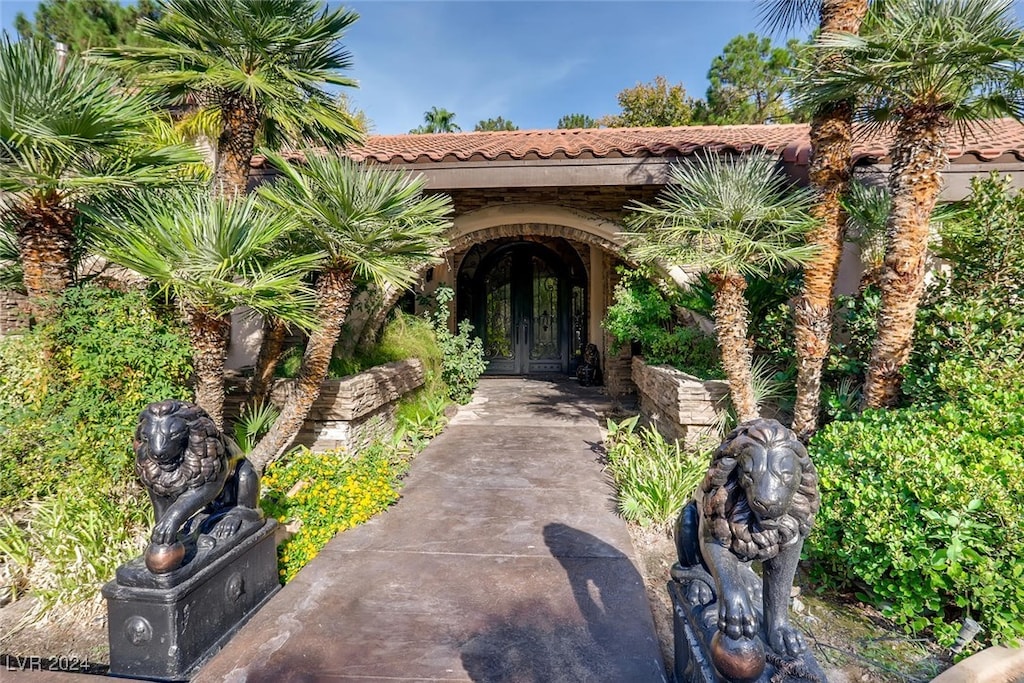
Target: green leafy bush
66 428
923 508
653 478
322 494
76 412
462 354
643 313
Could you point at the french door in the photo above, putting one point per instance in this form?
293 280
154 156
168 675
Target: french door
523 311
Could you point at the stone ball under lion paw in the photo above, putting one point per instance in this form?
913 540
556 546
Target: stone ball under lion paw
738 659
162 558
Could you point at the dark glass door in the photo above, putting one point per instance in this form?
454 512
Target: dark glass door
524 311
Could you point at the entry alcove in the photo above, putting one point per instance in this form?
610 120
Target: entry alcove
527 300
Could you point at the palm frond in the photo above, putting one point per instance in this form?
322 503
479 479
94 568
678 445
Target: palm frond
279 54
376 221
729 215
213 252
958 57
780 16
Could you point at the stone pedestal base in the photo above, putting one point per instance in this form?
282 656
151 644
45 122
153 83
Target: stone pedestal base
164 633
693 628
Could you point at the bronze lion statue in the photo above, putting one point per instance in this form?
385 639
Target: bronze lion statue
195 476
757 502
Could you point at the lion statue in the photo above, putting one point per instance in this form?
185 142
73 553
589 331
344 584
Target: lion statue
757 502
189 467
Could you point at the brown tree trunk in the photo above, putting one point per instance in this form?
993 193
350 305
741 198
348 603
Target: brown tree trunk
915 179
241 119
830 171
334 294
364 305
46 238
371 331
209 334
275 331
731 322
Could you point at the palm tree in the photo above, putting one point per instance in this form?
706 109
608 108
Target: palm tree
260 65
437 120
68 131
374 224
920 68
831 168
732 219
212 254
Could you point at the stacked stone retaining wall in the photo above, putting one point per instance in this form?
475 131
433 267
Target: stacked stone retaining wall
351 412
679 405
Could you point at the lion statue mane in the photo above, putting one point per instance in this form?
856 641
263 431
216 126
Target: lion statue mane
758 501
726 506
191 470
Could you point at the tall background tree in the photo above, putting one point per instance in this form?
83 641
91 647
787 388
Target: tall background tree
570 121
261 67
498 123
84 24
731 219
921 68
374 225
657 103
749 82
68 132
831 168
437 120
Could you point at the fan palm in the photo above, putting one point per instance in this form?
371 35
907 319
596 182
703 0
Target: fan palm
438 120
831 167
732 219
212 255
373 224
921 68
67 132
261 65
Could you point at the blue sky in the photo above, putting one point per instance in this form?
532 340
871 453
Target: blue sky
530 62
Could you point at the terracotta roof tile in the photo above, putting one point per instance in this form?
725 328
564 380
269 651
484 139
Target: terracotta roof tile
985 141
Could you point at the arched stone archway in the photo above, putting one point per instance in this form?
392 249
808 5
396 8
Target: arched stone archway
595 238
546 219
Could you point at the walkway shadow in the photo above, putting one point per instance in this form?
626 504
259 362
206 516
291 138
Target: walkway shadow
596 642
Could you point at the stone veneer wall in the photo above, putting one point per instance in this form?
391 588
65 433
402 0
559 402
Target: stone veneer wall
679 405
14 312
352 411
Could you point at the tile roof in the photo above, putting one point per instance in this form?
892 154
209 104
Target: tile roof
985 141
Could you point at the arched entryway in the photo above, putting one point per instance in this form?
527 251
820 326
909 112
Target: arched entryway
528 303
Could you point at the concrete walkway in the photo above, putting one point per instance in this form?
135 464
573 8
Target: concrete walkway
503 561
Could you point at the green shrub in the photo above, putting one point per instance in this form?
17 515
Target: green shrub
66 429
462 354
643 313
324 493
653 478
923 508
76 412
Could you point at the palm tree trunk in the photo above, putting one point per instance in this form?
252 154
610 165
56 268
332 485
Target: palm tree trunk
275 331
731 322
334 294
235 145
46 238
915 179
371 331
830 172
209 334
